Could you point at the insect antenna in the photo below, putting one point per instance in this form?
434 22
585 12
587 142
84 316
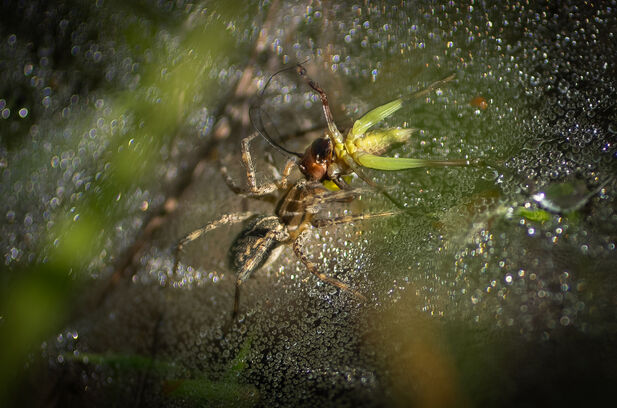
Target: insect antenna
255 114
428 89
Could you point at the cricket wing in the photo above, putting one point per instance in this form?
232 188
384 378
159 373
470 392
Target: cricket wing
373 117
401 163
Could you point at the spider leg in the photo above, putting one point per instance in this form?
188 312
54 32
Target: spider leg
321 196
192 236
297 247
314 204
341 195
340 183
260 248
234 313
247 161
325 222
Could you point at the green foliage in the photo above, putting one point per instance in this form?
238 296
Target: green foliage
33 303
538 215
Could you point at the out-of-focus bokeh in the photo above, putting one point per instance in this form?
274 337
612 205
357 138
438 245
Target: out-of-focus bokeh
116 117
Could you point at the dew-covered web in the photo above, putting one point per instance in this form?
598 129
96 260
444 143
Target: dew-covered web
115 120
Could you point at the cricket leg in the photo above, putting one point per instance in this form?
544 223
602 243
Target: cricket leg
332 128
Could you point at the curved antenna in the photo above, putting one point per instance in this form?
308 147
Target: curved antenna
255 116
256 119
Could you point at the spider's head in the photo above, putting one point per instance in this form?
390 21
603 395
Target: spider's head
316 160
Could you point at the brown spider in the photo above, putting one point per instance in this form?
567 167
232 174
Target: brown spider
296 212
292 222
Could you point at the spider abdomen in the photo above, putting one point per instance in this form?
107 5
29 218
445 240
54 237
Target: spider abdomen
254 245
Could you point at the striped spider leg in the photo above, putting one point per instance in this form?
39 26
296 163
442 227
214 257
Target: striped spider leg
292 223
294 214
253 190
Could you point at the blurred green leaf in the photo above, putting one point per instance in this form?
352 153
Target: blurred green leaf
534 215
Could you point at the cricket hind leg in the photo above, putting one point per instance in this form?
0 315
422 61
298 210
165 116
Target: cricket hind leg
253 189
332 128
298 250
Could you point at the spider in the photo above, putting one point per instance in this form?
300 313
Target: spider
327 159
295 216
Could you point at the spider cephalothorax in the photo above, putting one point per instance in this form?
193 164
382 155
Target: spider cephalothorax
317 159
